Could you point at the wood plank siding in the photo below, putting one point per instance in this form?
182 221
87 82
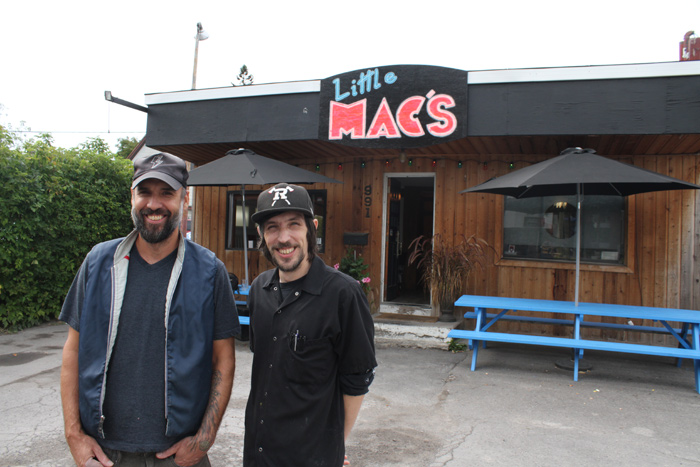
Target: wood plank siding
647 115
662 237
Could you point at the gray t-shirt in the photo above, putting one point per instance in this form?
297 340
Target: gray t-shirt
134 405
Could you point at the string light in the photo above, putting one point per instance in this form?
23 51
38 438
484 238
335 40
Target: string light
433 162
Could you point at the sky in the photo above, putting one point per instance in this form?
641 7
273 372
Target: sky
59 57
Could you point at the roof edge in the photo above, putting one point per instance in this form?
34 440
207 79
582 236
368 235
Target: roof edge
586 73
519 75
232 92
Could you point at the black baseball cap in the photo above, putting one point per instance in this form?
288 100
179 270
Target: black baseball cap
162 166
281 198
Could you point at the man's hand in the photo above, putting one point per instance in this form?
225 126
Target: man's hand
86 452
84 449
187 452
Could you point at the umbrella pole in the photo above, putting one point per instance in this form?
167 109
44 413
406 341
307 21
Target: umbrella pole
568 364
578 239
245 237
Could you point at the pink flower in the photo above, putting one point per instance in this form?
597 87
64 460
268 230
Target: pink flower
336 265
366 280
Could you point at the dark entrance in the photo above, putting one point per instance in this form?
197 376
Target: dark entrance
410 203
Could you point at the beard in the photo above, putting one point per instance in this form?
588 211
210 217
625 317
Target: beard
292 264
155 234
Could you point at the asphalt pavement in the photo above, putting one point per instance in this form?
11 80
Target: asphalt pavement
425 408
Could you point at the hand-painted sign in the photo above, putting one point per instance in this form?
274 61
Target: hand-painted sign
400 106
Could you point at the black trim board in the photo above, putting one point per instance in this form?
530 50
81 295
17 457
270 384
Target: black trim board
668 105
260 118
622 106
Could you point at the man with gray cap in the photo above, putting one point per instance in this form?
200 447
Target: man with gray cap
313 341
149 360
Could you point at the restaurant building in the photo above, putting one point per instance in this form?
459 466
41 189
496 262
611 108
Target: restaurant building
405 140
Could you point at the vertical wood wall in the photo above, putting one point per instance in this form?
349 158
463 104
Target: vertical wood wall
663 236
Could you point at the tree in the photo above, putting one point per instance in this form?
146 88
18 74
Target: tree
95 144
126 146
8 135
244 77
57 204
6 138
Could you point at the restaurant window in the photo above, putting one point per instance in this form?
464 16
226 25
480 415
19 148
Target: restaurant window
235 213
545 228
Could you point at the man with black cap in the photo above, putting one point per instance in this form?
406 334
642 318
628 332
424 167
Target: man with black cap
149 359
313 338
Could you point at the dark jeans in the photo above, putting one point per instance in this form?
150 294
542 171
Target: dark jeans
145 459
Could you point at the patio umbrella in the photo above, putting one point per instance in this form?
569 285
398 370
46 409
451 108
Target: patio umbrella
577 172
244 167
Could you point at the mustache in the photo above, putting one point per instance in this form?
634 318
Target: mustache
279 246
150 212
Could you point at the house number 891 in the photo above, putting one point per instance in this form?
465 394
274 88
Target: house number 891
368 199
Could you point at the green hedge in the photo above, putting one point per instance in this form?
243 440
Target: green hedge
56 204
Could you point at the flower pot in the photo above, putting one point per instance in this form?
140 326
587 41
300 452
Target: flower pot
447 312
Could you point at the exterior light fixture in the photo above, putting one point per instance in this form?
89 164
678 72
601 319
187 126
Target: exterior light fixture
202 35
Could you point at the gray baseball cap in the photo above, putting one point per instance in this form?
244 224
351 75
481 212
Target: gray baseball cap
162 166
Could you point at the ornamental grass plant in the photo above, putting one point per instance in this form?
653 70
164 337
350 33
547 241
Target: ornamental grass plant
445 265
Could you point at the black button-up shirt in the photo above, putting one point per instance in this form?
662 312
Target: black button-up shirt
303 345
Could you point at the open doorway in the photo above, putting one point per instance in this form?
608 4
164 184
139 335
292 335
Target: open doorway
410 201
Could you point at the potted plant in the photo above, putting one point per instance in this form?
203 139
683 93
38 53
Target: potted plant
355 267
445 267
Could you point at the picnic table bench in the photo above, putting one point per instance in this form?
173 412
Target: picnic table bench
242 292
686 335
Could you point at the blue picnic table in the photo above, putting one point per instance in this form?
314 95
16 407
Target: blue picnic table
242 292
507 308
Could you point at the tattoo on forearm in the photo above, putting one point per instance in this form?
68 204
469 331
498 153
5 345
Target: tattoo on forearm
212 416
